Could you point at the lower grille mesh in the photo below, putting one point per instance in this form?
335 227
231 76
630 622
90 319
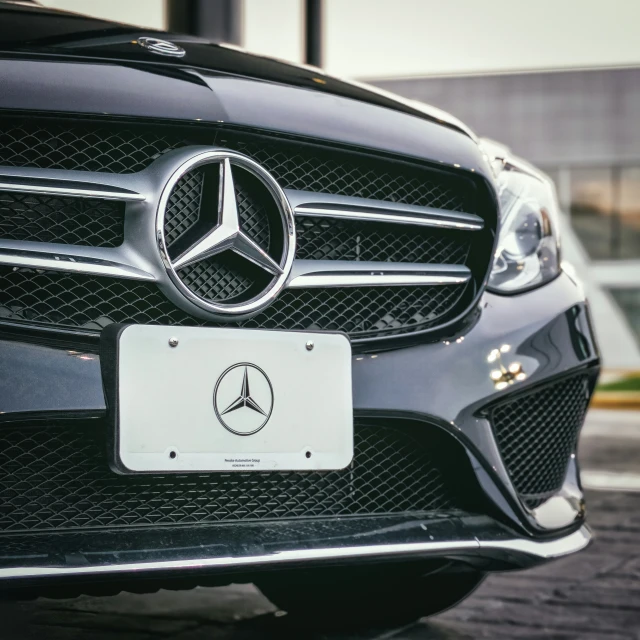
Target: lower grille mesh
57 478
93 302
537 433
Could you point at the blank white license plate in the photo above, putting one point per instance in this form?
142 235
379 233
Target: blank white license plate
232 400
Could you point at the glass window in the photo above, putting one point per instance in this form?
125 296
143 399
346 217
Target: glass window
591 210
629 213
605 211
628 300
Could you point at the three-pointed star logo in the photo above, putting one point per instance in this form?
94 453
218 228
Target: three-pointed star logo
227 234
244 400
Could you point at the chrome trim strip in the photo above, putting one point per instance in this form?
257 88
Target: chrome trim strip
68 188
546 550
320 205
344 273
519 547
312 211
105 262
346 279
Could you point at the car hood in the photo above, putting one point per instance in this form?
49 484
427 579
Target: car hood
26 27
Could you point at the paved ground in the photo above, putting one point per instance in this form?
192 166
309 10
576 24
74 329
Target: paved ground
595 594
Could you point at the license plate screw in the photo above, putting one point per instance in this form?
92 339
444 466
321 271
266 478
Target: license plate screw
309 345
173 341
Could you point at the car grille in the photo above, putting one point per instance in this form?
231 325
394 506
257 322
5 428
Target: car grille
537 433
57 478
80 301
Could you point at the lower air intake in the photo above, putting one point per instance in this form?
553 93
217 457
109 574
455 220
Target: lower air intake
56 478
537 433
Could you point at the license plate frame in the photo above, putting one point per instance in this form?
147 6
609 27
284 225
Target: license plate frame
173 409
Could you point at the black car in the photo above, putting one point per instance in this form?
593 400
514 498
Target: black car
261 324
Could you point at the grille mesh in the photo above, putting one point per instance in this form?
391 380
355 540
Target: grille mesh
92 302
57 478
53 146
183 206
224 278
362 312
79 221
537 433
332 239
311 168
252 213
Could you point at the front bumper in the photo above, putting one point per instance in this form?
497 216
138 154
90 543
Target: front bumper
443 385
473 542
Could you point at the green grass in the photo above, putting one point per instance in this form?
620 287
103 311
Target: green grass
631 383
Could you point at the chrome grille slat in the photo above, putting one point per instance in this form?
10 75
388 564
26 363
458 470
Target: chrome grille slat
102 261
343 273
323 205
66 188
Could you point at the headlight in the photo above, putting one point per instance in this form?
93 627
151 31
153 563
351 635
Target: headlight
528 251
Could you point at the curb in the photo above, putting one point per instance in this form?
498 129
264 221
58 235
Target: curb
616 400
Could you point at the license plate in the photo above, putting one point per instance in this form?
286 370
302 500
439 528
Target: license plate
209 399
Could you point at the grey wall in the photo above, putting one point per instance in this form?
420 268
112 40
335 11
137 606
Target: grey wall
553 118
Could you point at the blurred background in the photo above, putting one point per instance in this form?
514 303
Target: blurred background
557 81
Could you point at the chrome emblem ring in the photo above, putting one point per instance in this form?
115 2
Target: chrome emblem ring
227 233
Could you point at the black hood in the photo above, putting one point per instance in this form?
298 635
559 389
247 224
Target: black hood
28 28
58 63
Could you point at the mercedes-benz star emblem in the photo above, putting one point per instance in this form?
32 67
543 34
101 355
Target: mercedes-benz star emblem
162 47
227 235
229 248
243 399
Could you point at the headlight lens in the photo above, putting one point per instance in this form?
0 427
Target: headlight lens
528 251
